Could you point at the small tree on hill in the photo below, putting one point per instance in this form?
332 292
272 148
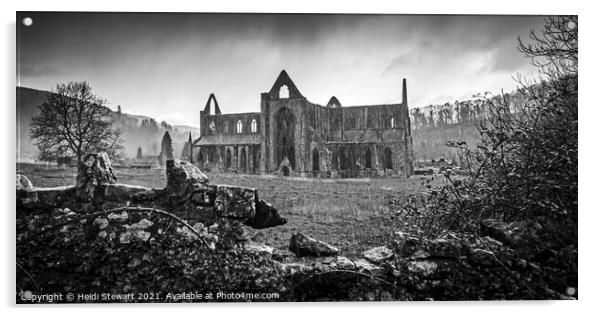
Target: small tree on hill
73 122
139 153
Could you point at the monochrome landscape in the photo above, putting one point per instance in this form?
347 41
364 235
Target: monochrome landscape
196 157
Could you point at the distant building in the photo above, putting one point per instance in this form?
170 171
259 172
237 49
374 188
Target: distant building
292 136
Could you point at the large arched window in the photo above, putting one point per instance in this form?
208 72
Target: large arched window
316 160
226 127
388 158
212 127
253 126
239 127
285 136
283 92
243 159
345 158
228 158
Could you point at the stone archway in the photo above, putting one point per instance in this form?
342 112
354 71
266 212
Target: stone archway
368 164
346 158
388 158
243 159
228 158
285 136
200 159
285 171
315 160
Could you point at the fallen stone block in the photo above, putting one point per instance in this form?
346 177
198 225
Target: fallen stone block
364 266
258 247
378 255
182 176
303 245
446 247
265 216
344 263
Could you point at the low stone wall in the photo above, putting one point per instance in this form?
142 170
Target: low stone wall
187 194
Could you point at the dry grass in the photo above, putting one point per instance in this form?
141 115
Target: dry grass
352 214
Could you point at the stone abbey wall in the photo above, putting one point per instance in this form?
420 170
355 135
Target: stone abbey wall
292 136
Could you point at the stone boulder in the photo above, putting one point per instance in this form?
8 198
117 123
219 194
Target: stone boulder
344 263
362 265
265 216
94 170
183 177
303 245
378 255
445 247
258 247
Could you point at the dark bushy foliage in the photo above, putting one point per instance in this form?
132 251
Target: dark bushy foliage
524 169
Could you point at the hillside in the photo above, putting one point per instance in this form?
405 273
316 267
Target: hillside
137 130
433 126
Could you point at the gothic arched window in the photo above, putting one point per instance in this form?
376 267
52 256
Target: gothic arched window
239 127
392 122
212 127
285 136
253 126
388 158
226 127
283 94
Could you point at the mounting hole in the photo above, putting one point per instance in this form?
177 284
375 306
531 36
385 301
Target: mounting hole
27 21
571 25
571 291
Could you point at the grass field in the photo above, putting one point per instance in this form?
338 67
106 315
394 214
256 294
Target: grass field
352 214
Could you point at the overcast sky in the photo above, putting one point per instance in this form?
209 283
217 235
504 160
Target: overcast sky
165 65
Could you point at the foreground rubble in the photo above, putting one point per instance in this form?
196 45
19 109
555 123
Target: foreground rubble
188 194
99 235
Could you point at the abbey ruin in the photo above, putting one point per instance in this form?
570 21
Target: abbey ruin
291 136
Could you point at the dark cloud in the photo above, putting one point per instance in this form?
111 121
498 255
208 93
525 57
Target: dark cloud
156 62
450 38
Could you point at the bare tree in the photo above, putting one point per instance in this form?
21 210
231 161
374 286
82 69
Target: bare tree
555 50
73 122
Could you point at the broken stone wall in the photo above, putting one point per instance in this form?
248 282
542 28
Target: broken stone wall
187 194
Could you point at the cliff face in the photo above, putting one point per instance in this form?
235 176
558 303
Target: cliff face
136 130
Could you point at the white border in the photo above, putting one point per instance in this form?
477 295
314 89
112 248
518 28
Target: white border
589 140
